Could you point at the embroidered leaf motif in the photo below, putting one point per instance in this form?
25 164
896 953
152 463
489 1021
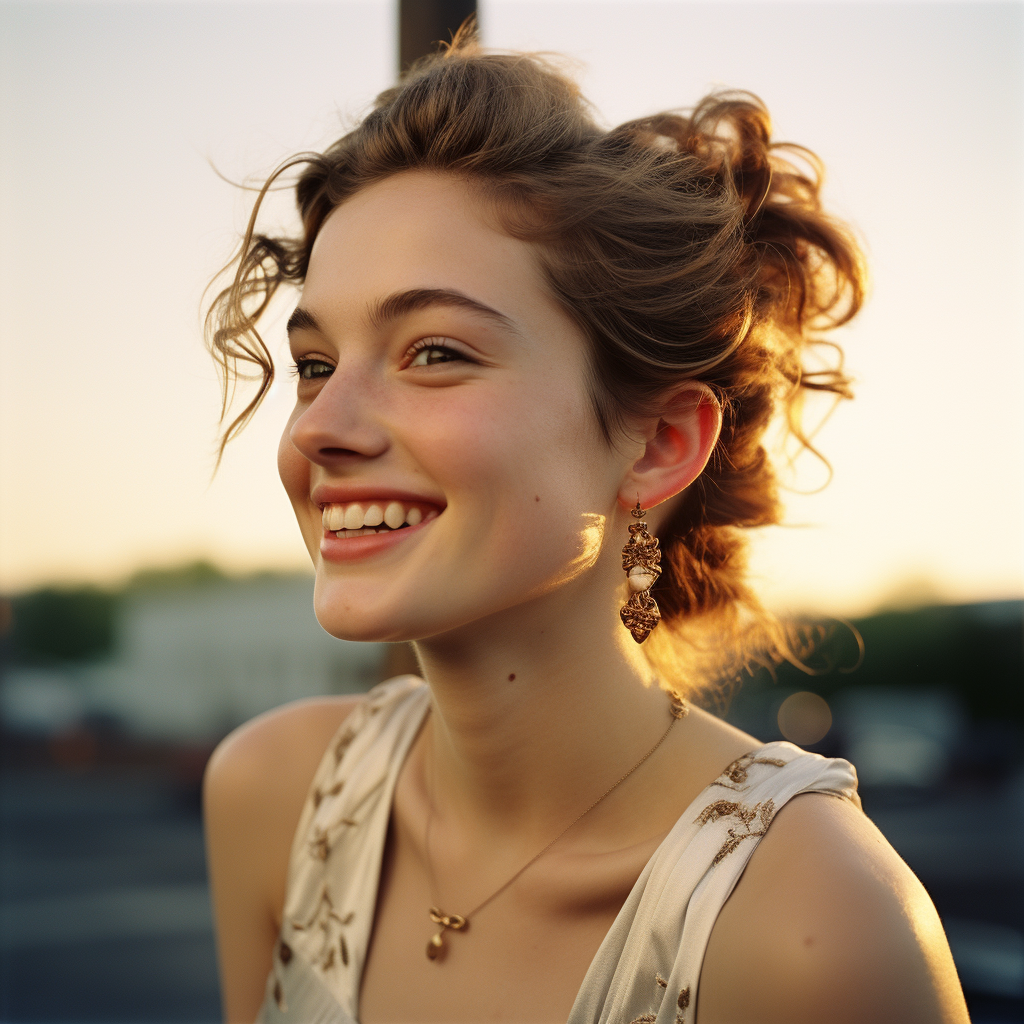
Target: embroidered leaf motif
735 775
644 1018
319 846
328 922
284 951
727 847
760 812
325 900
684 998
319 794
719 809
344 742
660 981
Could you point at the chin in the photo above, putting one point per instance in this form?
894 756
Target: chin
361 629
362 613
345 622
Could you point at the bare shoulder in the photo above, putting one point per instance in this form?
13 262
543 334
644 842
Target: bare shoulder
253 793
258 777
827 923
255 753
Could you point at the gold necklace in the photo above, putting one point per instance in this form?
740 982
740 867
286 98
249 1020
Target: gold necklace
460 922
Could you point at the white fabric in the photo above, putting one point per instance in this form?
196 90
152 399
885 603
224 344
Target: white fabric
648 965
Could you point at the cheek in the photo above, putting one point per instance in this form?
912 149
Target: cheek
493 447
293 468
528 474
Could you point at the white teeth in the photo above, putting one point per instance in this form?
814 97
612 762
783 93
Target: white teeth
354 517
355 520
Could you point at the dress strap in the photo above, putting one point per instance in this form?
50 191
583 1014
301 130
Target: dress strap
648 966
336 858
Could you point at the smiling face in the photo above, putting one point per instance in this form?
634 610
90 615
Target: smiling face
440 386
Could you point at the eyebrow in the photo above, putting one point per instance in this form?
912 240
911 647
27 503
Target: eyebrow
400 304
302 320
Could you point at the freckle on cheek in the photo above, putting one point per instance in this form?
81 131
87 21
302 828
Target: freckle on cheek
511 677
537 498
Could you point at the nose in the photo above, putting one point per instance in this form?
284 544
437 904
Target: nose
343 422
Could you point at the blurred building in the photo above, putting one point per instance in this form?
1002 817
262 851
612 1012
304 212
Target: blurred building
190 663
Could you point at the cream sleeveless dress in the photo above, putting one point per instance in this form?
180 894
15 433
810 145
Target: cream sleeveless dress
646 969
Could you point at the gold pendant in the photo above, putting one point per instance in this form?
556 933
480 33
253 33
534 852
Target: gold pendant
436 947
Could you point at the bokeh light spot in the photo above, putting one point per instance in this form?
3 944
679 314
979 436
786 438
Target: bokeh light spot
804 718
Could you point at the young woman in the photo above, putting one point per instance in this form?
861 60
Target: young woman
528 352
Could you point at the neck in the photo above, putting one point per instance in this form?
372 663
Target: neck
535 712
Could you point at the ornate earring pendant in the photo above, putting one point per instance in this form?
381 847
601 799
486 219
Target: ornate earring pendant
641 558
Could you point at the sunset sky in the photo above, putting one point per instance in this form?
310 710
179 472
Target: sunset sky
116 118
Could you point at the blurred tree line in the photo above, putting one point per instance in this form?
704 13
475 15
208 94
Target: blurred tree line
60 625
973 651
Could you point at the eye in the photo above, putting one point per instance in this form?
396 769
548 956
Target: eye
312 369
431 351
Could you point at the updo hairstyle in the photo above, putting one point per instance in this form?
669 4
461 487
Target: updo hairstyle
684 246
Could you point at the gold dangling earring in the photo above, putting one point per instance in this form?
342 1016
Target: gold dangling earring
640 562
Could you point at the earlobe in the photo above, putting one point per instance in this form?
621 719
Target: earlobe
683 439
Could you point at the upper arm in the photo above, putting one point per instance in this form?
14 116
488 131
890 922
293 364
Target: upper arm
253 793
828 924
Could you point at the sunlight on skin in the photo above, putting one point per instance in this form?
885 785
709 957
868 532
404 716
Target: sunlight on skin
591 540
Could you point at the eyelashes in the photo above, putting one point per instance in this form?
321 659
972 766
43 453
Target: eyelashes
311 369
424 351
432 351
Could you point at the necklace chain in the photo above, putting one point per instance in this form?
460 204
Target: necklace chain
459 922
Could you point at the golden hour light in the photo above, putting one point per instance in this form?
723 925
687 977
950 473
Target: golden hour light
504 501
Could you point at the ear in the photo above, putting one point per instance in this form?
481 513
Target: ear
679 444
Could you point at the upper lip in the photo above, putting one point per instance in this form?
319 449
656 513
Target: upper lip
343 494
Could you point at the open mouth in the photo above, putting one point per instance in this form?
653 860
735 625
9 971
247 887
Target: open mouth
361 519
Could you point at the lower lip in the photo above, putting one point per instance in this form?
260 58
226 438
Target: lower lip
350 549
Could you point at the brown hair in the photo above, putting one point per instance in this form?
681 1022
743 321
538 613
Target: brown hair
685 246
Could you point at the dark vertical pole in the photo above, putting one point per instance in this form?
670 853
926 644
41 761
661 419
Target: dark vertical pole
423 23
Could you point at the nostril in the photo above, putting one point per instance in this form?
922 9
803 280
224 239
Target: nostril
337 453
